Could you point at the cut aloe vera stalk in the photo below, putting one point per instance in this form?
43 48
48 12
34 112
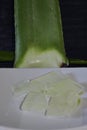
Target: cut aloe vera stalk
38 33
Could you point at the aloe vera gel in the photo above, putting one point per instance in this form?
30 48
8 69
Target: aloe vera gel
52 94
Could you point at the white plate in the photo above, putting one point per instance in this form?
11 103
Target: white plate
12 117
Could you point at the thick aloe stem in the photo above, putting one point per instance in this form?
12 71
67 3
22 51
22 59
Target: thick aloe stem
38 32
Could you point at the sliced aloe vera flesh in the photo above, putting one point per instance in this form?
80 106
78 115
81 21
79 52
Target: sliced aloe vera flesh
21 88
64 87
65 98
50 77
35 102
52 94
38 84
61 106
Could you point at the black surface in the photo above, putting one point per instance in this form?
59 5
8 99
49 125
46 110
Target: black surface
74 17
6 25
74 20
6 64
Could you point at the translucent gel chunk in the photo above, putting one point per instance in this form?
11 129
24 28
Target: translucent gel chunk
35 102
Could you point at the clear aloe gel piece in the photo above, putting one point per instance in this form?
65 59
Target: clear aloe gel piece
65 86
51 94
35 102
65 98
37 84
21 88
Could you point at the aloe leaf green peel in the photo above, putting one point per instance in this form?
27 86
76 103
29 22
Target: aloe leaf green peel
38 34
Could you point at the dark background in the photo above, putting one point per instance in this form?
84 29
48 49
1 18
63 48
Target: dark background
74 20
